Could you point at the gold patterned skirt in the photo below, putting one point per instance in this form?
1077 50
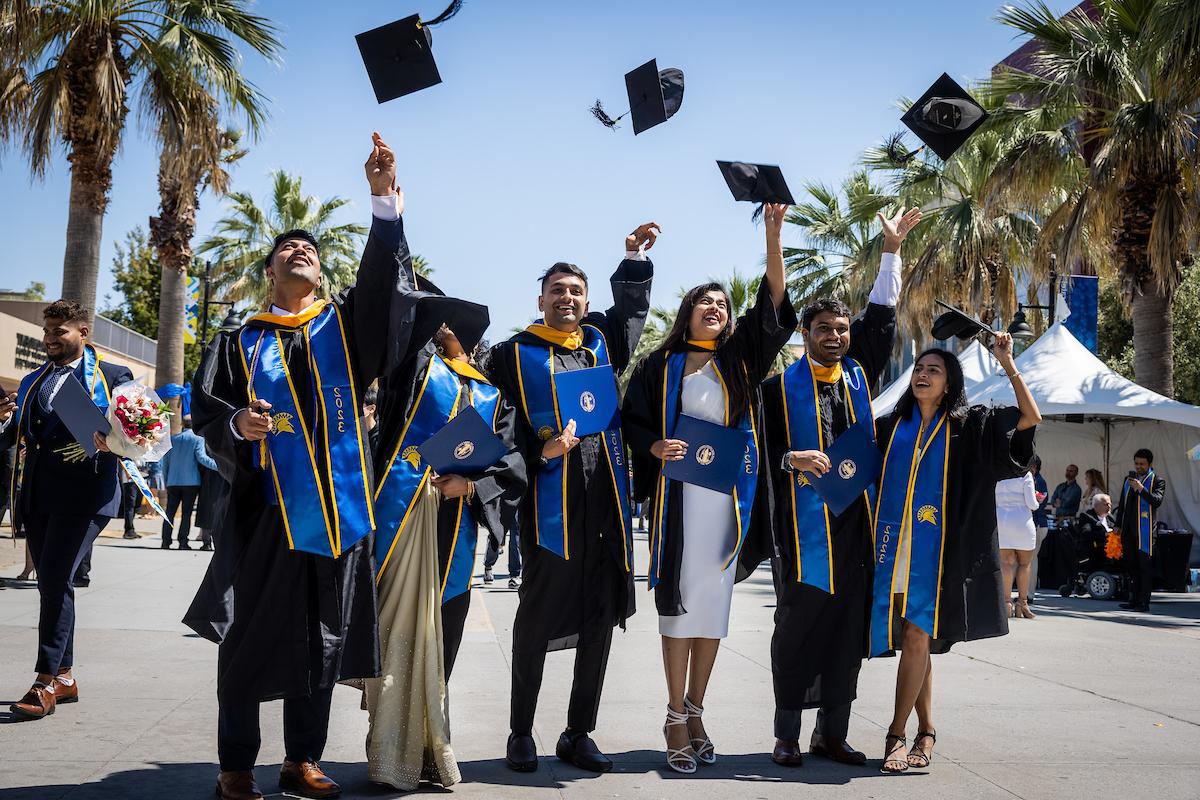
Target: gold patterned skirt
409 737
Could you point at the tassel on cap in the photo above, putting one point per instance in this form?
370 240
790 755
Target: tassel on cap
449 12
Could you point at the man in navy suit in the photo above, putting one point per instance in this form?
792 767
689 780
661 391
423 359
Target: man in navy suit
66 497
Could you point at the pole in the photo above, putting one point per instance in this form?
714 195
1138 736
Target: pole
204 313
1053 286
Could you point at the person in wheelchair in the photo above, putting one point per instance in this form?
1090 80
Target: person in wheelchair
1095 525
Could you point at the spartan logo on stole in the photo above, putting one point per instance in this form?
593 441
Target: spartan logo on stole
927 514
587 401
464 450
847 469
412 456
705 454
282 423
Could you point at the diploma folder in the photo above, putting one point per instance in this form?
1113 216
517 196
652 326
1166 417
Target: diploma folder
77 410
855 464
466 445
588 396
715 453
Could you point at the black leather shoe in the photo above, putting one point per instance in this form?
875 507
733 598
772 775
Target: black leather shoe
840 752
787 754
580 750
521 755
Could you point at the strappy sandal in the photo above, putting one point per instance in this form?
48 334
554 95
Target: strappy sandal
899 765
1022 610
705 752
919 757
682 760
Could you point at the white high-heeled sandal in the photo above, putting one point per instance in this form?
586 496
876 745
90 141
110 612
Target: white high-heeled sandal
706 753
682 760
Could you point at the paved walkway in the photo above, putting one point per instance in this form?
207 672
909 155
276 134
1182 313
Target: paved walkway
1084 702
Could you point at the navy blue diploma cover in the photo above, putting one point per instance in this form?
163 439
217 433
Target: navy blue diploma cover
855 463
714 456
588 396
78 411
464 446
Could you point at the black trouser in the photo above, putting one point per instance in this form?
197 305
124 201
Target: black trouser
175 496
454 618
514 553
305 729
590 663
832 724
131 498
58 544
83 573
1140 567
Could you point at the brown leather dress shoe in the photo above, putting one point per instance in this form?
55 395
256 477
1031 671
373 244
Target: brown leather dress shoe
238 785
307 780
840 752
38 702
787 754
65 693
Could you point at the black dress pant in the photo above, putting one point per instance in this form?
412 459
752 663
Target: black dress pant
1140 567
131 498
454 618
590 663
305 729
176 496
58 543
833 724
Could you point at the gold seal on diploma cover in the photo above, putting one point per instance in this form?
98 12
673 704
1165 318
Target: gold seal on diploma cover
412 456
927 514
464 450
847 469
587 401
705 454
545 433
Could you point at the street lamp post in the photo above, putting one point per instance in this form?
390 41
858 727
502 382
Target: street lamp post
1020 326
207 303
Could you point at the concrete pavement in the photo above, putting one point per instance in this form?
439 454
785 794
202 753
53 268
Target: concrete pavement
1085 701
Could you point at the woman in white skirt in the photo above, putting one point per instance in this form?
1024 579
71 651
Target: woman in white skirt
708 367
1016 500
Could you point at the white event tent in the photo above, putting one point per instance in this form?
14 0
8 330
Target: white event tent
977 363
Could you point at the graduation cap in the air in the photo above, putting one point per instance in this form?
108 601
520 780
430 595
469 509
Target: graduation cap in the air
399 56
943 118
654 97
955 323
758 183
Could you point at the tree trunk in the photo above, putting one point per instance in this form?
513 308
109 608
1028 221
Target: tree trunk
168 367
85 229
1154 358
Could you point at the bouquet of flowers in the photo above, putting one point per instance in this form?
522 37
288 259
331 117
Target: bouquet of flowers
141 427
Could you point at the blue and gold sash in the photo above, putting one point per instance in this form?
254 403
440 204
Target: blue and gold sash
1145 514
539 402
327 511
747 477
810 520
911 509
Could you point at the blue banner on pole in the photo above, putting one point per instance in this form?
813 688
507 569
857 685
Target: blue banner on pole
191 311
1083 298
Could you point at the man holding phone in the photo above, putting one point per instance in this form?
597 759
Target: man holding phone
1141 497
66 496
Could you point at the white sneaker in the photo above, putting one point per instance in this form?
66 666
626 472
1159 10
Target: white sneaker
514 583
487 576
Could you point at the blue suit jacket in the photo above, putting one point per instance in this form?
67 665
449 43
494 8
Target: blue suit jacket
183 461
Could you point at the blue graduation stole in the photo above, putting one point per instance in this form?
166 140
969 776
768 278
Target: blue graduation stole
1145 514
810 522
535 380
747 478
912 505
312 523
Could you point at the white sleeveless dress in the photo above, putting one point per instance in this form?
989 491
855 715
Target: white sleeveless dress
709 533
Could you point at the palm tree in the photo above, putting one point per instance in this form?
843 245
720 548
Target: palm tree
1112 96
244 238
421 266
69 67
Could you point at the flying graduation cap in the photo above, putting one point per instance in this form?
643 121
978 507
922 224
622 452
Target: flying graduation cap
757 183
943 118
955 323
654 97
399 56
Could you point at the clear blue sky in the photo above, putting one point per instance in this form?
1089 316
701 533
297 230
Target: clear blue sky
506 172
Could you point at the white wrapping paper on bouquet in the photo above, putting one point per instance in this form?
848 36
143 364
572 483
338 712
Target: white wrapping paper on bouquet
141 423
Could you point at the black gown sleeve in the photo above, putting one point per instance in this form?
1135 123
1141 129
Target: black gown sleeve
499 488
219 391
761 332
1003 450
872 336
384 274
1155 494
640 424
624 321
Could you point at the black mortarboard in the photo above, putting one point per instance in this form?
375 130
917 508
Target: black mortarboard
399 56
944 117
654 97
294 233
758 183
955 323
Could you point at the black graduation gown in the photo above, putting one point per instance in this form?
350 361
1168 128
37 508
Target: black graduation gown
985 448
757 338
820 639
289 623
565 603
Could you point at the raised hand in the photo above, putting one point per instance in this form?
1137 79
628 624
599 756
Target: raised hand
897 228
561 444
643 237
8 404
773 215
254 423
669 449
381 168
1002 348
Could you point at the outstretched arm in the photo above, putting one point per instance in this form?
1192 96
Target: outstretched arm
626 318
1030 415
